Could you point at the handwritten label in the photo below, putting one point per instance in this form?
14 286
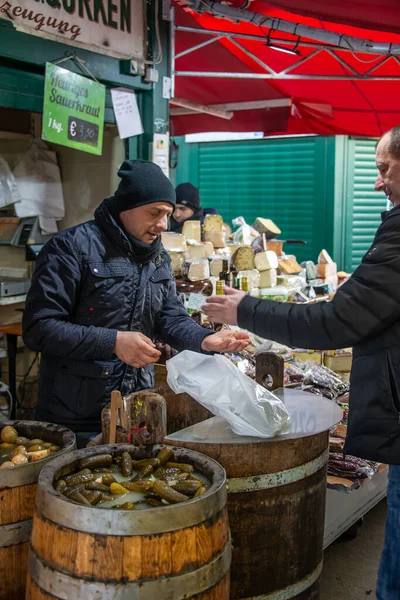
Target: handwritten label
126 112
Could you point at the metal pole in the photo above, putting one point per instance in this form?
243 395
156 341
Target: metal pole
224 75
259 38
300 62
250 55
172 48
198 46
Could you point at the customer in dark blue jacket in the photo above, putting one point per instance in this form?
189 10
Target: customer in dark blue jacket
100 293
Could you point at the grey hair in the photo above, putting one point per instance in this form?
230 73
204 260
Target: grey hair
394 143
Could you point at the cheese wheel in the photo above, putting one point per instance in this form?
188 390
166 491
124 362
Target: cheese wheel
266 260
192 230
173 241
213 223
195 249
243 259
196 270
266 226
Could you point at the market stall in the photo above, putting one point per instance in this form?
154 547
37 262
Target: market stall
253 258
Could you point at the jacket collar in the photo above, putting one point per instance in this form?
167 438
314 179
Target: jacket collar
388 213
113 231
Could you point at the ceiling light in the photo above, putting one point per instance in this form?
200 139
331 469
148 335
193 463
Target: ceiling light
283 49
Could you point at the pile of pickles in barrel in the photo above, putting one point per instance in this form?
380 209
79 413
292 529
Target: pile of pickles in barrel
124 483
16 450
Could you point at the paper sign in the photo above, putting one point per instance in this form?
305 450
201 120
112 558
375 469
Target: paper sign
126 113
160 151
73 110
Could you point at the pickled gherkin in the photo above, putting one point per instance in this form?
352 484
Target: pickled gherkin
165 455
99 481
95 462
167 493
126 464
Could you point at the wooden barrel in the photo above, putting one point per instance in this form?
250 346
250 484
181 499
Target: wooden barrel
167 553
276 507
182 410
17 500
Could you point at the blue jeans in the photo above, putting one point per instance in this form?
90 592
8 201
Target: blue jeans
388 587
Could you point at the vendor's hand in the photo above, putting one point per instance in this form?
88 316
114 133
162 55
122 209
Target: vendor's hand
225 341
135 349
223 309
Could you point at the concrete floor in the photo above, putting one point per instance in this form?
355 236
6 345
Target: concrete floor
351 566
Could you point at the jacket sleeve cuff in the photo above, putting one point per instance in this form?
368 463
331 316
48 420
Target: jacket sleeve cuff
106 343
246 313
202 334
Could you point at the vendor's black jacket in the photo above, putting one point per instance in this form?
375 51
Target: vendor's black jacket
84 290
365 313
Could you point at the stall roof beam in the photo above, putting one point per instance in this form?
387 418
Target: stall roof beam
356 44
225 75
201 108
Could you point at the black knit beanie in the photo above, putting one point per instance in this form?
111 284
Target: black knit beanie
188 195
142 182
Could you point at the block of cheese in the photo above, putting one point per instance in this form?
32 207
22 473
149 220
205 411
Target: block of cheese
266 260
217 238
195 249
275 246
243 259
173 241
196 270
213 223
209 248
324 258
266 226
192 230
216 266
268 278
289 266
333 281
326 270
253 277
232 247
177 260
311 270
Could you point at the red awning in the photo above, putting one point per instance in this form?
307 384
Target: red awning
330 91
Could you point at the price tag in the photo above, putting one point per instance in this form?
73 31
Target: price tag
195 301
73 110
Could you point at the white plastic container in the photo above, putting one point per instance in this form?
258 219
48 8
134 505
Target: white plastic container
278 293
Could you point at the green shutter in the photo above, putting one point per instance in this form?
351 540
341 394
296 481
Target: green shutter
364 205
288 180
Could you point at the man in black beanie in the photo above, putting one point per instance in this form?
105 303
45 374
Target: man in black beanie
187 207
101 292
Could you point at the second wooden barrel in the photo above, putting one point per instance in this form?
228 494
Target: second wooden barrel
17 500
172 552
276 506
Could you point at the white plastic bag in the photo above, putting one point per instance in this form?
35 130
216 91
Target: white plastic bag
219 386
9 192
245 234
39 181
